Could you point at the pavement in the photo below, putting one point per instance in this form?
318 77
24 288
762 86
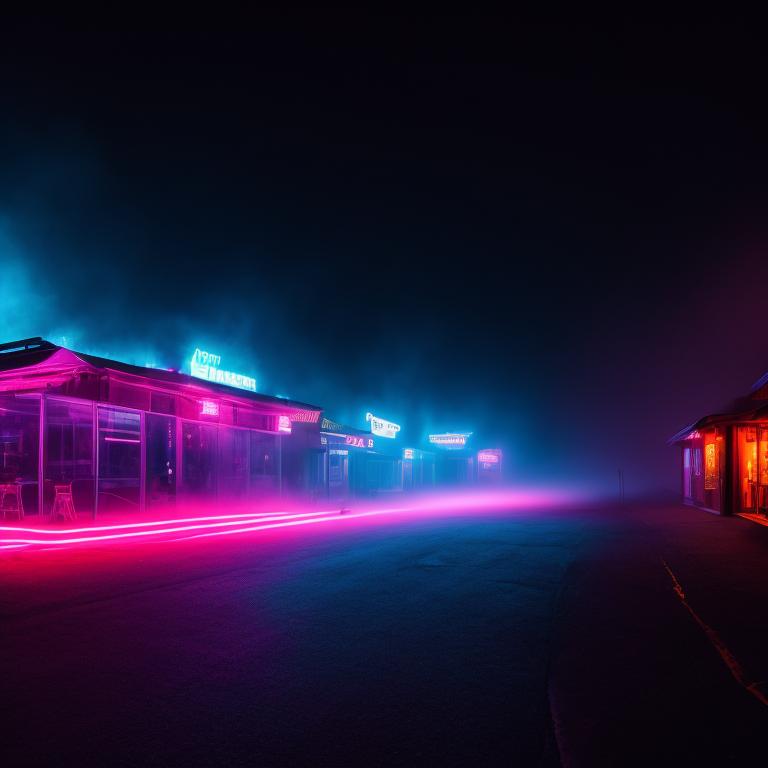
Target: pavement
575 636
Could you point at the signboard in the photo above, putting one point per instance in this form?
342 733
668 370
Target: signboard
205 365
450 440
209 408
710 467
382 427
489 457
358 441
408 453
284 424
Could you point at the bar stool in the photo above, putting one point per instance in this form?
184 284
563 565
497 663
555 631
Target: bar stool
11 491
63 505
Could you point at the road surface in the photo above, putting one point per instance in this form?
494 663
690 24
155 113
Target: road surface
577 636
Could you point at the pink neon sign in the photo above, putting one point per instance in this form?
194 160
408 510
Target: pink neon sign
209 408
486 457
358 442
284 424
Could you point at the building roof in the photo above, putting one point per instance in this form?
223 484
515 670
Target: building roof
36 352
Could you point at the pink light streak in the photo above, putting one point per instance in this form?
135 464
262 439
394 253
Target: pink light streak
122 440
220 525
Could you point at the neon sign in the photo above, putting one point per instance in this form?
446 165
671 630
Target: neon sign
209 408
382 427
489 457
408 453
710 467
284 424
205 365
358 442
450 439
306 416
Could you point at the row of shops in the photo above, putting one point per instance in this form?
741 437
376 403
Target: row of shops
84 436
724 457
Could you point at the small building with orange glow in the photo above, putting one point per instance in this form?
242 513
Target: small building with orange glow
724 457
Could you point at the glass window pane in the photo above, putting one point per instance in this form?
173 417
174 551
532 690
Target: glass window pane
161 460
264 463
198 460
233 463
119 460
69 453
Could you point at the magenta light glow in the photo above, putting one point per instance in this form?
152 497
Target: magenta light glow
284 424
122 440
176 529
209 408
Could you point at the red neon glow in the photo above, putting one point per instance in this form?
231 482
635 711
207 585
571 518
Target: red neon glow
209 408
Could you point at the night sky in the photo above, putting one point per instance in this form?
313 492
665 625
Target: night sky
554 237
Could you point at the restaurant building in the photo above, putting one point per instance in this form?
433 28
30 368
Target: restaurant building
83 436
724 457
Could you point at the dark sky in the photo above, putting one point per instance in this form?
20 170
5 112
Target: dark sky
553 236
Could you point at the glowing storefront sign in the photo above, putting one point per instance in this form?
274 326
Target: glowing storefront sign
284 424
382 427
209 408
450 439
489 457
356 441
205 365
408 453
710 467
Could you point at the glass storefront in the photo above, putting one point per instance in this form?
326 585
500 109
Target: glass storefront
752 463
98 459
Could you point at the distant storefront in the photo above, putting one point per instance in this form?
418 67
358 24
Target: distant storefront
357 462
724 457
82 436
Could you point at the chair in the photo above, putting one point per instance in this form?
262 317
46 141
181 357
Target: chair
63 504
12 492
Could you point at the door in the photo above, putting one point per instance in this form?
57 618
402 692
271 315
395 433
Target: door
119 460
748 468
161 460
762 457
687 485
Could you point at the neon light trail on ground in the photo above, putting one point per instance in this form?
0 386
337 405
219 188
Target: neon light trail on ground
15 538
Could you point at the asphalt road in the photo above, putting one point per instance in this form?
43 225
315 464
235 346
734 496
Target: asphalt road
519 638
